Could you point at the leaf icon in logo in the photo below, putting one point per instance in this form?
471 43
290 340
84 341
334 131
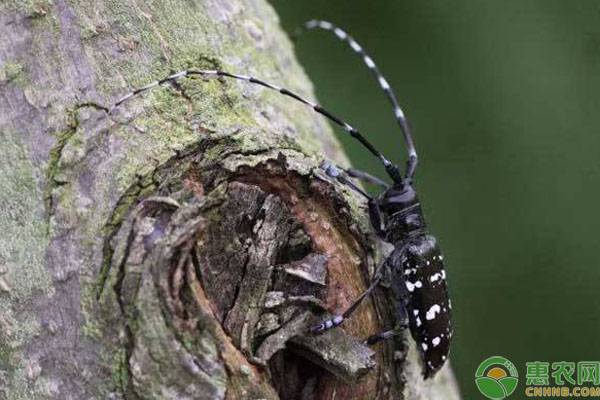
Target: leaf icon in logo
509 383
490 388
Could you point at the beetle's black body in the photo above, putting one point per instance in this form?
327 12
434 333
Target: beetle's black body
418 279
429 306
415 266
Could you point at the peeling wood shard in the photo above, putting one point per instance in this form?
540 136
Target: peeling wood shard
312 269
271 226
343 354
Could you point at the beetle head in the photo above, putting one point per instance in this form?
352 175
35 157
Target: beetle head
398 197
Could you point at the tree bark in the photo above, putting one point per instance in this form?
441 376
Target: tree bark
179 247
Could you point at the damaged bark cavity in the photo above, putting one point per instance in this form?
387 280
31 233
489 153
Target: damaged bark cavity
219 282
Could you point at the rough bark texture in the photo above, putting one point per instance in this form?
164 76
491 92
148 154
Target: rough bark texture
179 248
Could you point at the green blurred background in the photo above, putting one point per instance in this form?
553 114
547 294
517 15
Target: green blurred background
504 100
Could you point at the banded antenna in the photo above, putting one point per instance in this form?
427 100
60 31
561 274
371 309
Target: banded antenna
411 164
390 168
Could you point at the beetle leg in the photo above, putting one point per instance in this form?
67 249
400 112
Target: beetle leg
337 320
376 217
365 176
401 295
381 336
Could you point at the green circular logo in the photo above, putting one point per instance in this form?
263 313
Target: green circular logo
496 378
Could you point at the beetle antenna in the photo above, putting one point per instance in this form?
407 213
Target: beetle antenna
391 169
411 164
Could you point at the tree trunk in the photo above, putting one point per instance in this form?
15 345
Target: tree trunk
179 247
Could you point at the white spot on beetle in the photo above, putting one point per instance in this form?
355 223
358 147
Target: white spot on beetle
435 277
399 113
383 83
340 33
325 25
435 341
148 86
418 320
412 286
369 62
242 77
424 346
443 358
416 312
355 46
312 24
178 75
433 310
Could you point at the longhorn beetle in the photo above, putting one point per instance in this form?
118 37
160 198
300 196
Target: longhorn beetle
417 276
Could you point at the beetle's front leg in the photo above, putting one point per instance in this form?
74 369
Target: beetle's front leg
376 217
375 214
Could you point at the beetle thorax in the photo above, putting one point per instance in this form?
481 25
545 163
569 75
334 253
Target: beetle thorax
402 210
